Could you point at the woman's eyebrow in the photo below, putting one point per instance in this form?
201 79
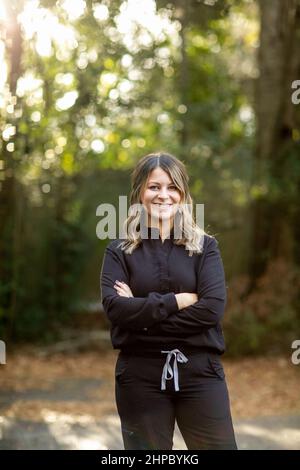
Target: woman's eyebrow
156 182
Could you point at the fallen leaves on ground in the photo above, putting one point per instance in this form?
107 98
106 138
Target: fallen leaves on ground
258 386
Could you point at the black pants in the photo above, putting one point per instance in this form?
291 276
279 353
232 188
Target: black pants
200 405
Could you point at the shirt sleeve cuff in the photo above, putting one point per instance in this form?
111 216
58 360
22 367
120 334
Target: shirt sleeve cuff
170 302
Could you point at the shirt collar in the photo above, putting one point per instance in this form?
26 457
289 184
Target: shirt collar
153 233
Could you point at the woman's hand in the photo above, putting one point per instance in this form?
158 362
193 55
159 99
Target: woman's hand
185 299
123 289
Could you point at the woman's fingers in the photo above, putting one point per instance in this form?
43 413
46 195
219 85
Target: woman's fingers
123 289
123 286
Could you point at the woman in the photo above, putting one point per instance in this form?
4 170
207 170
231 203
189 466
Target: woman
165 295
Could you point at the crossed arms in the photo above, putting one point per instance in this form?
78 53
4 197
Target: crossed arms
184 313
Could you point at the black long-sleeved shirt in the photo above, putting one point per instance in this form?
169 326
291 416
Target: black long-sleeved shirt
155 271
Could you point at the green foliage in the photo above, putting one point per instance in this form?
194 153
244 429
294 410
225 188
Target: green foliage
87 111
268 319
246 334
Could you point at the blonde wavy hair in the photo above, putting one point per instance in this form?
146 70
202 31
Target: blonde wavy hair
192 236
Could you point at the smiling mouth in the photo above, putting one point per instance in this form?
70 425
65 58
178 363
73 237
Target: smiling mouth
162 205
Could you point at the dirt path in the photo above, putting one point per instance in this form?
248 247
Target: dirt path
67 401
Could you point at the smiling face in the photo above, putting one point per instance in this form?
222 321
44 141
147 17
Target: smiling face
160 197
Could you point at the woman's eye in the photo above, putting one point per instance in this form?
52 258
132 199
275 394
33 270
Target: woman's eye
156 187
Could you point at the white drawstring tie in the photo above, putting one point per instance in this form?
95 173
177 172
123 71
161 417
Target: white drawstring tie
179 356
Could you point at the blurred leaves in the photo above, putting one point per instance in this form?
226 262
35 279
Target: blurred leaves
100 86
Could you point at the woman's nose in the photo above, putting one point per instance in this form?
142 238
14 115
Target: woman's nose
163 193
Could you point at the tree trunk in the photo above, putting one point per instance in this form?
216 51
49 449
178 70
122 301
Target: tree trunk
9 216
277 60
